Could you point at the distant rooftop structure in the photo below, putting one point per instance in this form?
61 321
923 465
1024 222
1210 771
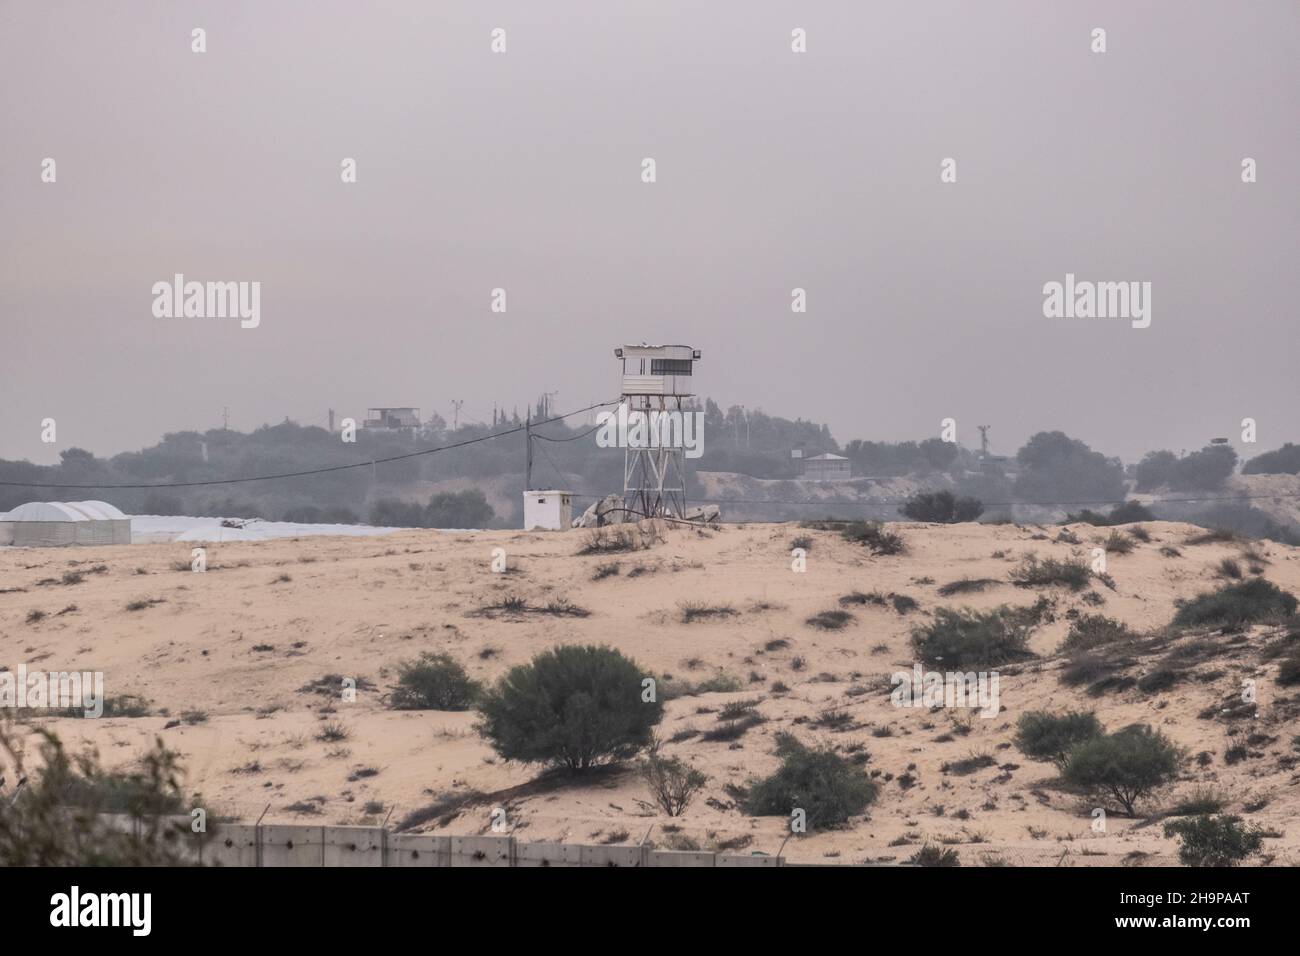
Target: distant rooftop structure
827 467
399 417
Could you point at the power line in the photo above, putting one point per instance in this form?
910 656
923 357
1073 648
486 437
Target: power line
313 471
987 504
575 437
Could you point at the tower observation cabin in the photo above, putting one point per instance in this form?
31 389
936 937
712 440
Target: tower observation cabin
662 372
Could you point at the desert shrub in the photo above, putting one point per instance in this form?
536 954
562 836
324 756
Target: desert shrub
828 788
1128 765
1035 572
941 506
932 855
1044 736
672 782
1201 801
618 539
967 586
1206 840
1288 672
873 536
1235 605
1117 543
700 611
904 603
834 620
576 706
1100 670
1094 630
333 732
433 682
1228 568
1215 536
969 638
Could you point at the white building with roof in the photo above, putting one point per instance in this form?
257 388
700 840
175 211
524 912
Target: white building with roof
45 524
827 467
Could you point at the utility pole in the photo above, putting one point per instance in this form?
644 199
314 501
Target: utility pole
455 415
528 461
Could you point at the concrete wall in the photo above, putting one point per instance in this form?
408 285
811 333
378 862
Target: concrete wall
239 844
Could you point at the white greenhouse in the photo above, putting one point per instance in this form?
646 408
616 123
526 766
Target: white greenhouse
44 524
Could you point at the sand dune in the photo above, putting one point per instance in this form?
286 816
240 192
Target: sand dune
239 643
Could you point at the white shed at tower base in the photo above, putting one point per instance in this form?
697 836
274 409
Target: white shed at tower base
549 510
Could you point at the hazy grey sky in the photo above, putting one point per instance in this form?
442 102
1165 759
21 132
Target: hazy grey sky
775 170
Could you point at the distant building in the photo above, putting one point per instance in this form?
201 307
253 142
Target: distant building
46 524
827 467
548 510
392 418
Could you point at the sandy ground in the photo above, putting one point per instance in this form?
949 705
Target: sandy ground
239 643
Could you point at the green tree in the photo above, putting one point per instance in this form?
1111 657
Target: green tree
576 706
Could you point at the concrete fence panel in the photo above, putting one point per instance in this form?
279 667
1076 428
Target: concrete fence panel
612 856
679 858
482 851
293 846
548 854
354 846
410 849
233 844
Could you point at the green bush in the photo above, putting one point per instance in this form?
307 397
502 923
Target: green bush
1235 605
1044 736
1128 764
433 682
828 788
968 638
1284 461
58 818
673 782
1206 840
576 706
941 506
